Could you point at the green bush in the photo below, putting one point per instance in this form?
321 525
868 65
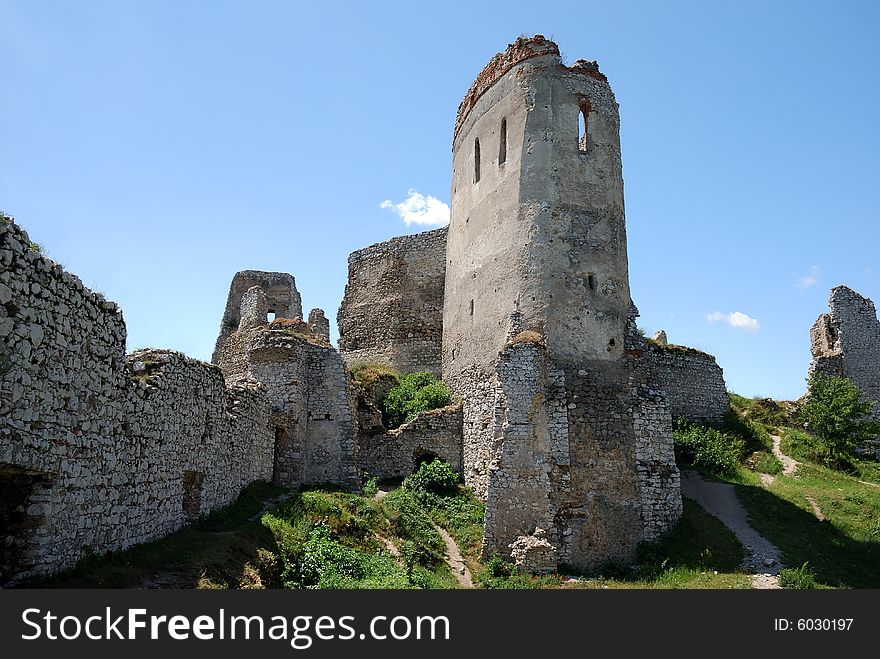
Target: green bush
325 559
371 485
801 577
496 566
436 477
708 448
416 392
838 414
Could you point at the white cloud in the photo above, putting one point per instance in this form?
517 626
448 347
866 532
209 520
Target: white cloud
736 319
420 209
808 280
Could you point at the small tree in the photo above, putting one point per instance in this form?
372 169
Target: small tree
837 412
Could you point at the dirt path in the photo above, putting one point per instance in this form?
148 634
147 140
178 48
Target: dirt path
789 464
454 560
452 556
763 559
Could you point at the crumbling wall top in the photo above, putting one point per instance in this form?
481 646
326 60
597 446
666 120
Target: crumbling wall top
520 50
524 48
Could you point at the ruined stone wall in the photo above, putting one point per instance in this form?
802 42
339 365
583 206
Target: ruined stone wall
846 341
392 309
279 289
397 453
192 443
313 414
692 382
583 461
91 453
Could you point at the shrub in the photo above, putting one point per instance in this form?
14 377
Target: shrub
708 448
838 414
436 477
416 392
371 485
496 566
801 577
325 559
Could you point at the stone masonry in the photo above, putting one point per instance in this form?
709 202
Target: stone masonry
566 428
693 383
392 312
99 451
310 391
563 414
846 342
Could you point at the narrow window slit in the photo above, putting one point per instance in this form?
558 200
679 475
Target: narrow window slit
584 141
476 161
502 148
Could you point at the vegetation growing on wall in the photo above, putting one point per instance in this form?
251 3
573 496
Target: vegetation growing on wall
416 392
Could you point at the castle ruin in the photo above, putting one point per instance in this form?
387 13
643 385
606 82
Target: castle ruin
846 342
563 414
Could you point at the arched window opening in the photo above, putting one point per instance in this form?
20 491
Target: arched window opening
585 144
502 147
476 161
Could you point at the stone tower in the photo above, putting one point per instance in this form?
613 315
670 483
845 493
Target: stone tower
565 433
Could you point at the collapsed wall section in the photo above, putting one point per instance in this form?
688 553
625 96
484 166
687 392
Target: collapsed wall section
92 454
392 311
846 341
313 415
398 453
282 300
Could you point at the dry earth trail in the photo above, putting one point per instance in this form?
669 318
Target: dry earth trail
763 559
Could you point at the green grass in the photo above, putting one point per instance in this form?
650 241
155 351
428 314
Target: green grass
766 463
769 413
699 553
366 373
844 549
210 553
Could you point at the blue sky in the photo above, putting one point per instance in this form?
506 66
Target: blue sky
155 148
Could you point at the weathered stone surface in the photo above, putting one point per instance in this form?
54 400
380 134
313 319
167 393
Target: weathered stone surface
282 298
534 553
566 427
95 447
312 396
846 342
392 312
397 453
692 381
